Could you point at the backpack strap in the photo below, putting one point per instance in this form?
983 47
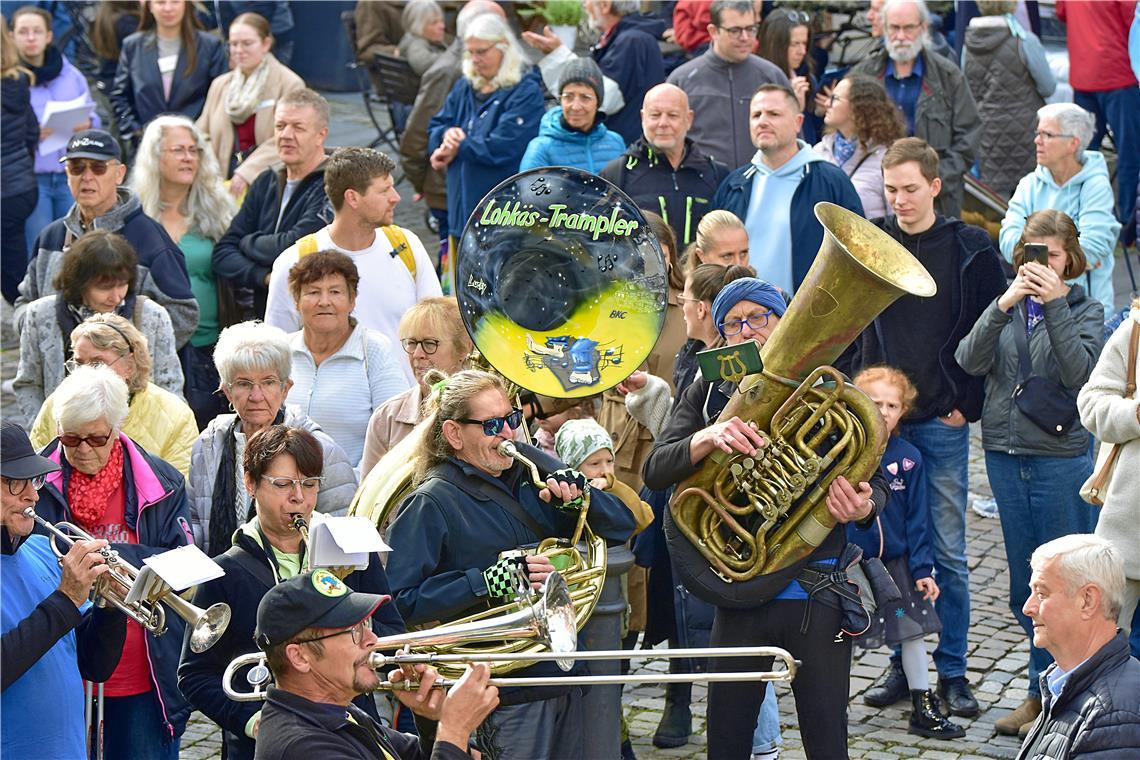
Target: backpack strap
481 490
306 245
252 565
398 238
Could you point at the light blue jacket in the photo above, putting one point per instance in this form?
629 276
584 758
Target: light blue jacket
558 146
1089 200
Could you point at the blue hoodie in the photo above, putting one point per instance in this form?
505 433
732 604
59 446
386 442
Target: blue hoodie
1089 200
558 146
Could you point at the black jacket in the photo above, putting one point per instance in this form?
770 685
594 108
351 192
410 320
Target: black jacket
682 196
980 280
245 254
294 727
137 95
200 674
1097 715
19 136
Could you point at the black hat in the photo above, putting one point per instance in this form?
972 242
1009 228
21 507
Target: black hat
18 460
92 143
583 71
317 599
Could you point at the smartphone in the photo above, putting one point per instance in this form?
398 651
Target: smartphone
1037 252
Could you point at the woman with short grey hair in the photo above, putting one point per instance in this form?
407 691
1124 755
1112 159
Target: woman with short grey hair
424 37
1071 179
93 395
254 362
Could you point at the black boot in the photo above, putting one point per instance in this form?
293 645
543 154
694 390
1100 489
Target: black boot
926 720
890 688
956 694
677 722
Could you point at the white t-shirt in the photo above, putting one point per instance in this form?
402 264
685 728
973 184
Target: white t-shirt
386 288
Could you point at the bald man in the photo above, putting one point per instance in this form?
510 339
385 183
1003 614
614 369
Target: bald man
663 170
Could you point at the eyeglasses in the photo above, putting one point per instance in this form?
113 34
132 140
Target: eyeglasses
683 297
358 632
94 441
37 483
184 151
77 166
741 31
755 321
290 484
1045 134
908 29
832 99
494 425
481 52
73 364
429 345
245 387
800 17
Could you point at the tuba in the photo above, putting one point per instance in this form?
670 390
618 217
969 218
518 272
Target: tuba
740 520
562 287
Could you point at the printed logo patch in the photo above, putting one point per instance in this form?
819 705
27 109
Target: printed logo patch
893 468
328 584
908 464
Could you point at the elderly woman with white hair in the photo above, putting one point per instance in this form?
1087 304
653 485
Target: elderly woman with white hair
424 37
1074 180
157 420
490 116
254 362
180 185
116 490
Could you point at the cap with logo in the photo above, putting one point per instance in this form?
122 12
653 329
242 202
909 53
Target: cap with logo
18 460
92 143
316 599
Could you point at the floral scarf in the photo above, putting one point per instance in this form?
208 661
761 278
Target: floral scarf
87 495
244 93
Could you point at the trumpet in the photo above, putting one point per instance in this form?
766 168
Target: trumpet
207 626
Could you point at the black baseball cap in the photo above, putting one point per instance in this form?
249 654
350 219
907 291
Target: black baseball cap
92 143
316 599
18 460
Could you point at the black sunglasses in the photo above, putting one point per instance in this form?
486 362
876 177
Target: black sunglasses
494 425
73 441
76 167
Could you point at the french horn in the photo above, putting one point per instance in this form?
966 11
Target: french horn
562 287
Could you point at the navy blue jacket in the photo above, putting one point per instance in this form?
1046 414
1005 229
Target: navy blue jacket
200 675
821 181
498 128
19 137
137 95
158 512
632 58
903 527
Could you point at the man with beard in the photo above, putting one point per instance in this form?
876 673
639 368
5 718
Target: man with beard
932 93
391 260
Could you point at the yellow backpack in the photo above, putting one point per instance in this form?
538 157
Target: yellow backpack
396 237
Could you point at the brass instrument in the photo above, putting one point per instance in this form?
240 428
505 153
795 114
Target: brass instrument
206 626
547 622
739 517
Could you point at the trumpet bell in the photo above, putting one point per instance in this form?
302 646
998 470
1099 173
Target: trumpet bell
208 627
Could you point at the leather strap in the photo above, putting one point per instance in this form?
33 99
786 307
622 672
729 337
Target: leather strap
1100 482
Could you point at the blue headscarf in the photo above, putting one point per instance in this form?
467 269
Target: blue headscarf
746 289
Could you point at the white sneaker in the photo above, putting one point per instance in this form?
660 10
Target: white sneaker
987 508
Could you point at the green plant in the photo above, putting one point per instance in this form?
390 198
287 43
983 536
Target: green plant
556 12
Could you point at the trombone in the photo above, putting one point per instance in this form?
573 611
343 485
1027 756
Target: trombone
207 626
550 622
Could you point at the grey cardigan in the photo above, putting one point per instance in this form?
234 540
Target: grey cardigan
337 489
1063 348
41 354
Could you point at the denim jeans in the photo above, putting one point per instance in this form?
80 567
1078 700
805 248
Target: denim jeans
767 734
945 451
133 727
1038 501
55 201
1117 110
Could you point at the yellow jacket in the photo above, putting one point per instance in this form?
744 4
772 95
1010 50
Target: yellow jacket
157 420
642 512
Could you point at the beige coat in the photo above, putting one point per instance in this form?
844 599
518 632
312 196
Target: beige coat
390 424
222 133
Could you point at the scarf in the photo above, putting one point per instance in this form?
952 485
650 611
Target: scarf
87 495
223 517
844 149
51 68
244 93
68 316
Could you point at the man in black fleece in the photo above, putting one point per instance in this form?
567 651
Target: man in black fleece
919 336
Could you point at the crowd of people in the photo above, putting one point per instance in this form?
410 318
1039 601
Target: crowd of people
224 334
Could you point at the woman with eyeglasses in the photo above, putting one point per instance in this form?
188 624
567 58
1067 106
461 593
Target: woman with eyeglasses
861 122
116 490
786 40
433 337
340 367
281 477
237 118
179 186
98 276
1071 179
157 419
254 362
750 309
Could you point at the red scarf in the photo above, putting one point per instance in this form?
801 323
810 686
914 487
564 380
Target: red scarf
87 495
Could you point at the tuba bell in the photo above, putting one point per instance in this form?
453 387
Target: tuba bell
740 519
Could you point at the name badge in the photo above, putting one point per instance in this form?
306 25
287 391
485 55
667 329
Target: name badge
167 63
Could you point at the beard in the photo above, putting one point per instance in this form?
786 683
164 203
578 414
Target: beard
904 52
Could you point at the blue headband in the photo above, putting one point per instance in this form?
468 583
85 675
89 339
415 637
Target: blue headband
746 289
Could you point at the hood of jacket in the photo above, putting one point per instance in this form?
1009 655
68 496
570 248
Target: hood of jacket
985 34
1092 165
651 25
552 127
804 156
113 221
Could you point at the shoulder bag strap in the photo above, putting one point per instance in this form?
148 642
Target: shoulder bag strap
1100 481
478 488
252 565
1025 364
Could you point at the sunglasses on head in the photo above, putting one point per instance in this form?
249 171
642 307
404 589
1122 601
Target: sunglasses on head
77 166
73 441
494 425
